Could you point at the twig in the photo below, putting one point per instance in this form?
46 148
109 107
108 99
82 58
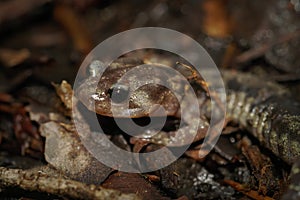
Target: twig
72 24
42 182
262 49
11 10
250 193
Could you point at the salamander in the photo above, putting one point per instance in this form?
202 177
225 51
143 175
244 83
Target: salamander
264 108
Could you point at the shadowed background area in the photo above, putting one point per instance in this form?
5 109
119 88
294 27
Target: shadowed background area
43 42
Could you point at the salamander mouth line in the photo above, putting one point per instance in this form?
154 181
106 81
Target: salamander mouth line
171 123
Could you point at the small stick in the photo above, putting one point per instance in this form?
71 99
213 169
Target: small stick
12 10
250 193
262 49
56 185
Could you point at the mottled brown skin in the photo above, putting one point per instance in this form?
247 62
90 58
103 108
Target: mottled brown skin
94 94
268 111
264 109
140 101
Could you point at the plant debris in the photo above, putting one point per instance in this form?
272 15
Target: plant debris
43 44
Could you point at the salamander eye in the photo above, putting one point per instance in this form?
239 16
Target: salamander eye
118 93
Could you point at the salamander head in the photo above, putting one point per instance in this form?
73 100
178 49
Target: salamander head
129 96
